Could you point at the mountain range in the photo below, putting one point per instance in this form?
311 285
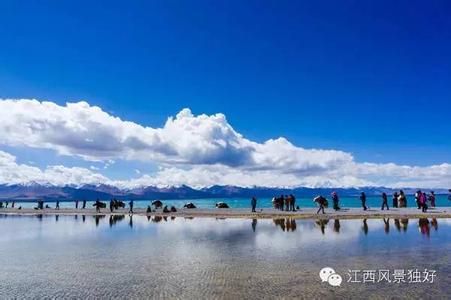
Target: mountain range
91 192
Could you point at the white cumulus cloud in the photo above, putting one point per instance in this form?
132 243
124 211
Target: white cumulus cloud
197 150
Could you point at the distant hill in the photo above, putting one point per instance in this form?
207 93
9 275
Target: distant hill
91 192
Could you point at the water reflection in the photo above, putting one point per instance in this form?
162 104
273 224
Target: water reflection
254 224
386 225
434 224
404 224
97 219
115 219
365 227
226 252
326 227
337 225
423 225
286 224
321 223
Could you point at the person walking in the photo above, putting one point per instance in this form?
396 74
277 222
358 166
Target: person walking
321 202
293 202
253 203
57 204
111 205
384 201
76 204
363 199
84 204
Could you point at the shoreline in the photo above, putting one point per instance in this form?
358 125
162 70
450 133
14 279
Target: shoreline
269 213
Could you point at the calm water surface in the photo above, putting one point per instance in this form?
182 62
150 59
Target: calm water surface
123 257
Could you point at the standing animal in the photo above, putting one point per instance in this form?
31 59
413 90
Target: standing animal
222 205
189 205
157 204
118 204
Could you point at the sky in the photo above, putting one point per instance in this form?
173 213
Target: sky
313 93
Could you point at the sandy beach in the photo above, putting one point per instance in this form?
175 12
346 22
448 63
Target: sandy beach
307 213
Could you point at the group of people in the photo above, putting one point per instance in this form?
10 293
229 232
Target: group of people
422 199
283 203
7 203
323 203
287 202
398 200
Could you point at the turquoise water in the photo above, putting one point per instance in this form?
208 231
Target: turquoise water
205 258
442 200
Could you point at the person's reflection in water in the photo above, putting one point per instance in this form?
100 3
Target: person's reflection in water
165 218
289 225
83 218
322 224
405 223
423 225
148 218
130 221
337 225
293 224
97 219
254 224
365 227
76 217
157 219
286 224
39 217
172 218
434 223
56 218
116 218
280 223
397 224
386 225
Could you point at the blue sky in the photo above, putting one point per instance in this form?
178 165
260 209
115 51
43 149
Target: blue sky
372 79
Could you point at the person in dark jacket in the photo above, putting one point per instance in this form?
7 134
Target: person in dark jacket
363 199
111 205
253 203
131 207
322 202
384 201
335 200
395 199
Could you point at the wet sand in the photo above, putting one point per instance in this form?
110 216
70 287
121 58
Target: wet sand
306 213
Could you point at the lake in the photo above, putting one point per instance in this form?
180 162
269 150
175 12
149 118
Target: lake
142 257
372 201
